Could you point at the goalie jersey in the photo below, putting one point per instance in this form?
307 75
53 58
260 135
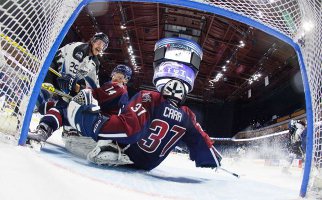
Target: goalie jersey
153 127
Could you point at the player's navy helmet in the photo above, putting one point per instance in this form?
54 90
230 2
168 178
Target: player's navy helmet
125 70
176 58
101 36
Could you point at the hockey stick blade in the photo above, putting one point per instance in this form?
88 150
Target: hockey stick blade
52 89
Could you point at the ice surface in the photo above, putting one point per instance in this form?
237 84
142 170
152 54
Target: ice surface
54 173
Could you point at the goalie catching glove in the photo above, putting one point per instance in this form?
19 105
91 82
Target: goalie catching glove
85 97
83 114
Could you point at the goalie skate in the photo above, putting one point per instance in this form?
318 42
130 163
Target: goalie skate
36 139
42 133
108 153
111 159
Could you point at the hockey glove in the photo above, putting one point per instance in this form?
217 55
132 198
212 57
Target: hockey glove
86 119
212 161
67 83
43 97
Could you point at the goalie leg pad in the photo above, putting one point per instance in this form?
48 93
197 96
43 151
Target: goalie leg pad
86 119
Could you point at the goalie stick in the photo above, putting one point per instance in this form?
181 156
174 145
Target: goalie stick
50 88
229 172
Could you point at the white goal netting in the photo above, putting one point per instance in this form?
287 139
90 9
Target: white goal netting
29 28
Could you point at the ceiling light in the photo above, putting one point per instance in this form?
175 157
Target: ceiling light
241 44
218 76
130 50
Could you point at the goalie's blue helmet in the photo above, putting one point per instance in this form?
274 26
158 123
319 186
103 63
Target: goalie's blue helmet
123 69
176 58
101 36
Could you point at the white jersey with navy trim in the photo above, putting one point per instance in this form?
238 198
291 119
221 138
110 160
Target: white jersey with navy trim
74 59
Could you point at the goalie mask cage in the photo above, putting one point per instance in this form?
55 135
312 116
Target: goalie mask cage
32 30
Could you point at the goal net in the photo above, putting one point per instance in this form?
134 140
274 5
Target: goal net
32 30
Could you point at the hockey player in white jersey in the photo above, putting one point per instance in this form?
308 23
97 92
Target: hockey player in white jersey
297 130
297 143
78 64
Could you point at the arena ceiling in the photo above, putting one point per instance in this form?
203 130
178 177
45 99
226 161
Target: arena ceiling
237 58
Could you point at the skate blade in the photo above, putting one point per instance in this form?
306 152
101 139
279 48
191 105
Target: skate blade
35 145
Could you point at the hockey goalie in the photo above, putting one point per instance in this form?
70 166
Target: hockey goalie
153 122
